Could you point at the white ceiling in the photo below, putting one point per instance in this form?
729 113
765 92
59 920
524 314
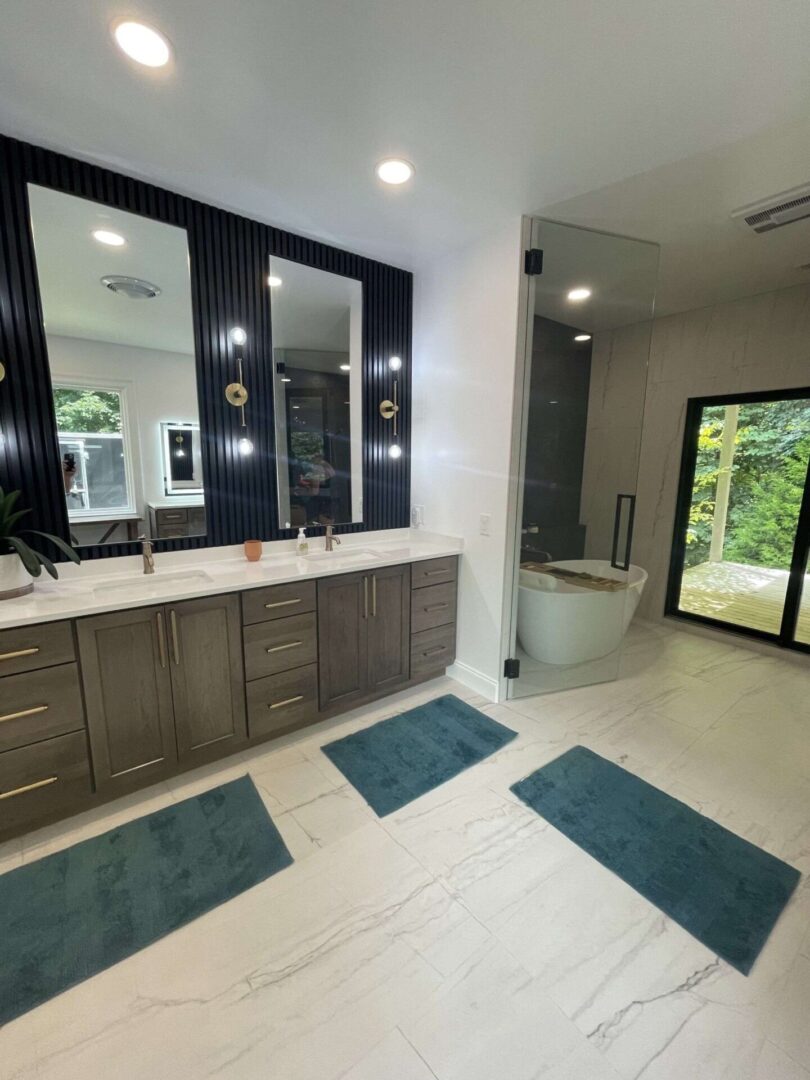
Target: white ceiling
311 308
706 257
71 264
281 109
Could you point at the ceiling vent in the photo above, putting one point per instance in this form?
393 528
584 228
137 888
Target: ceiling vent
778 210
131 287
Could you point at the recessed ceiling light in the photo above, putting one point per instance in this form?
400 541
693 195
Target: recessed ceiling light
582 337
106 236
395 363
237 336
273 281
394 171
582 292
286 378
345 367
142 43
395 451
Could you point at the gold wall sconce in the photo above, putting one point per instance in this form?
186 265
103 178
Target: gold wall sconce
389 409
236 392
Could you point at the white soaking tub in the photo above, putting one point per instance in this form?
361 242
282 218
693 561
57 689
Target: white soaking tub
562 623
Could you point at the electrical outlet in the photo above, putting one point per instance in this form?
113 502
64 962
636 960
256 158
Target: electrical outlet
484 522
417 516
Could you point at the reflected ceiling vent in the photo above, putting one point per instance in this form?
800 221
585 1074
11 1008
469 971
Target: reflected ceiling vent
768 214
131 287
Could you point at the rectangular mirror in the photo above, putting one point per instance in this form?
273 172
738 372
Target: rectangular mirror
116 303
317 321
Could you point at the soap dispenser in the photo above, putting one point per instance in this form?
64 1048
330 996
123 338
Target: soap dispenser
302 544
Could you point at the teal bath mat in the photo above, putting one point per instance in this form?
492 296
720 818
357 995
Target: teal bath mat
75 913
397 760
726 892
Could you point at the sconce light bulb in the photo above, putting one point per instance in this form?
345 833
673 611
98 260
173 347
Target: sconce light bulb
395 363
245 446
395 451
237 336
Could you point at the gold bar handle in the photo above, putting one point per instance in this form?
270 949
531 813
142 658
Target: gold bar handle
288 645
436 607
435 649
365 597
287 701
20 652
374 595
28 787
283 603
161 639
175 643
23 712
435 573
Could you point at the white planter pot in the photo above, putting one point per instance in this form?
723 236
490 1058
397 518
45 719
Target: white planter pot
14 578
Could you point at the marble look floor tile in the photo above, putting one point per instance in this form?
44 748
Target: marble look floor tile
331 816
789 1028
292 784
775 1064
392 1059
647 737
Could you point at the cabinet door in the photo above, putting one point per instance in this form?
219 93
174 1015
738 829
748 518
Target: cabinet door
389 627
207 672
127 688
343 619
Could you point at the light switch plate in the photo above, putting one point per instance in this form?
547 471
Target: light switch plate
484 523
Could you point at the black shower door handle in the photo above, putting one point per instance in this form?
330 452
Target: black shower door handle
617 523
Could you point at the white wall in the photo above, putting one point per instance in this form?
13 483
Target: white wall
159 386
465 329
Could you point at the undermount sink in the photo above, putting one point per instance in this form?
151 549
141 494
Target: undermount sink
343 557
151 582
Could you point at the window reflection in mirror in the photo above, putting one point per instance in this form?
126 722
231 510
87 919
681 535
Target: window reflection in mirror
317 320
116 302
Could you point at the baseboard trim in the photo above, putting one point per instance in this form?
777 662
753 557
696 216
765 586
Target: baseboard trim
474 680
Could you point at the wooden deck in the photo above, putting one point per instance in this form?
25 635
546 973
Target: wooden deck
750 596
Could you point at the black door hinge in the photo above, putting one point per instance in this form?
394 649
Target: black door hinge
281 367
511 668
533 262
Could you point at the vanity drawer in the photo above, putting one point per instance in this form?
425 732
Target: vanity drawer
433 572
196 517
278 601
432 606
433 650
42 780
280 644
171 517
27 648
282 701
171 532
40 704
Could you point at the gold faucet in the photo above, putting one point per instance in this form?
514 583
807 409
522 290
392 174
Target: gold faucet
330 539
148 557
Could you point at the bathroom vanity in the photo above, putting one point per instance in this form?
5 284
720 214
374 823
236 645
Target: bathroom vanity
136 678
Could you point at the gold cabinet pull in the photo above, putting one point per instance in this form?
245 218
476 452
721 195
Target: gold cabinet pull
161 639
284 603
286 701
23 712
28 787
374 596
435 649
365 597
436 607
435 573
287 645
20 652
175 642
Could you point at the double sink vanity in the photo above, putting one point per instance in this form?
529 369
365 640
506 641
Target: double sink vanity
112 681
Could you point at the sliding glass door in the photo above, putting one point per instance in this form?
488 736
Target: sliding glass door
742 534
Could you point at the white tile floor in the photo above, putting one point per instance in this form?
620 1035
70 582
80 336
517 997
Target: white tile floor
462 938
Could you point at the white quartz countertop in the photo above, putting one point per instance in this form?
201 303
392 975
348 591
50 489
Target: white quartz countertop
100 585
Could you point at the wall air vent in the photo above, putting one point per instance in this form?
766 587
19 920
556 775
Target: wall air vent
778 210
131 287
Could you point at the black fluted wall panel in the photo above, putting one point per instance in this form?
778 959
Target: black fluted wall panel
229 266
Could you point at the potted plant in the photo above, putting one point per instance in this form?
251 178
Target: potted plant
19 561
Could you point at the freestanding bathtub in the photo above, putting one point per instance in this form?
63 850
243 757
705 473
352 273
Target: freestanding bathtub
562 623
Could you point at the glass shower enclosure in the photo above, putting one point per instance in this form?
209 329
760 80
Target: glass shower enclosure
575 588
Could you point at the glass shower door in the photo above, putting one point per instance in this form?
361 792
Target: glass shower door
575 587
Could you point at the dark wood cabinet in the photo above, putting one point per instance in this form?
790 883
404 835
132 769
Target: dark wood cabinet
208 686
389 627
128 695
363 634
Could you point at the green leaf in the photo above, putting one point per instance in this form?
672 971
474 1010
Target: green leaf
30 559
9 520
46 562
66 548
